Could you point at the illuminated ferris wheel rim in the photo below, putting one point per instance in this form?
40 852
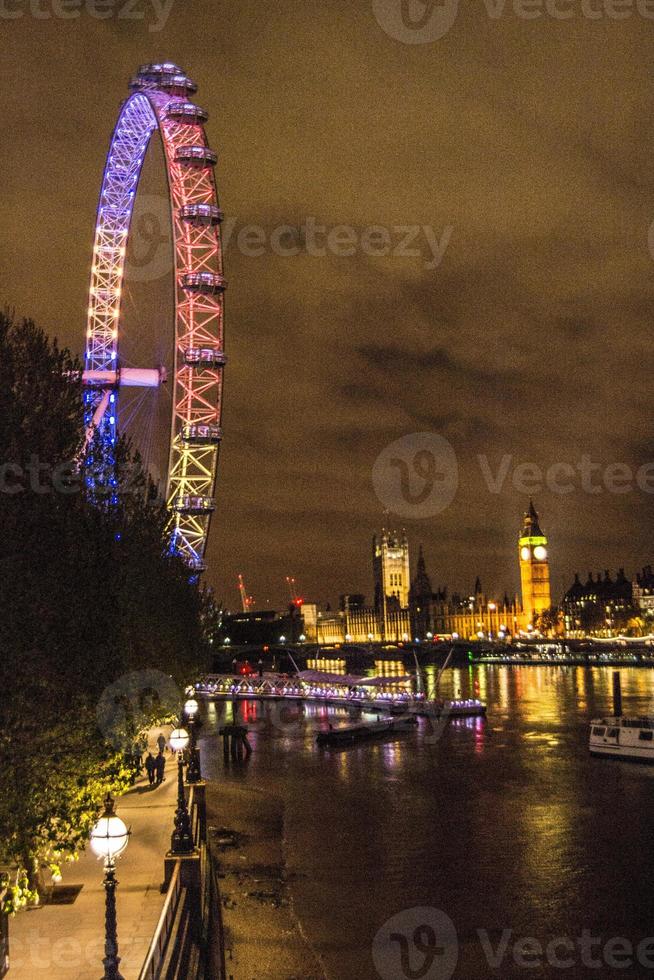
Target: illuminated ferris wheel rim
160 100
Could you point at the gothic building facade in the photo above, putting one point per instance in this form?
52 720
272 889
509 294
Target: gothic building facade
405 609
601 605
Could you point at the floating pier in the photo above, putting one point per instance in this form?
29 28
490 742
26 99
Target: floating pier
392 695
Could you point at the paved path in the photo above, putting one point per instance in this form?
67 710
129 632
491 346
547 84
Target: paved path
67 941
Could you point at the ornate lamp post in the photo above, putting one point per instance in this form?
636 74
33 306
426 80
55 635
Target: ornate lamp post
108 840
193 774
182 840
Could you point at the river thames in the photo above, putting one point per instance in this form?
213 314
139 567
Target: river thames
495 847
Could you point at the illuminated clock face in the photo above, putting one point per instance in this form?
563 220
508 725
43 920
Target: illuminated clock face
524 553
540 553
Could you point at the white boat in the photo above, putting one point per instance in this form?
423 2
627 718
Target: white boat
630 739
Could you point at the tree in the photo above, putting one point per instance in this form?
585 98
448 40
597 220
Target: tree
549 621
89 593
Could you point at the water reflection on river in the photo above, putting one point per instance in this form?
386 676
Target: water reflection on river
501 824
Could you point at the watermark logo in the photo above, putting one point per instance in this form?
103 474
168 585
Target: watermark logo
153 12
422 944
425 21
150 253
417 476
415 21
309 237
416 944
562 478
130 704
70 476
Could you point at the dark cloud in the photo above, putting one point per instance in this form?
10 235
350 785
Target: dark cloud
531 338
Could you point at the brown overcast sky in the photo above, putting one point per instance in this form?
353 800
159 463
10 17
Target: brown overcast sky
531 139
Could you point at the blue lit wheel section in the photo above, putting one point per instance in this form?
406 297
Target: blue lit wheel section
160 100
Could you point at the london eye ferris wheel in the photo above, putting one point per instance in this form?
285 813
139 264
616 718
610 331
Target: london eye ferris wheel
161 100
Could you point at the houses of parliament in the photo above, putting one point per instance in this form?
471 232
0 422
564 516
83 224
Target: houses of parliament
405 609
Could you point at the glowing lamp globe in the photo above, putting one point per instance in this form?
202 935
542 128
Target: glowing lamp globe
179 739
191 707
109 837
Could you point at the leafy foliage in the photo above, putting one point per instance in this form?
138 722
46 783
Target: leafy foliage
88 593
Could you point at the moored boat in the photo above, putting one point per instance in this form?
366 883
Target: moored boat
621 737
349 734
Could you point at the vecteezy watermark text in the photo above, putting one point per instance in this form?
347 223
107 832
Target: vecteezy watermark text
417 476
342 240
425 21
561 478
422 944
154 12
68 477
150 254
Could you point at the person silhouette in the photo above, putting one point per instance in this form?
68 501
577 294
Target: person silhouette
150 767
160 766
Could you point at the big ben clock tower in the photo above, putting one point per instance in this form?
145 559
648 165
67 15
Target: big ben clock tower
534 566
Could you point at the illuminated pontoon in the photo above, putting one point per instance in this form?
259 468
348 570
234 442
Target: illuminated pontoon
160 102
374 693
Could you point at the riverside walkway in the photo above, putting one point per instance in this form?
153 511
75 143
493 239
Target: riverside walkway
66 941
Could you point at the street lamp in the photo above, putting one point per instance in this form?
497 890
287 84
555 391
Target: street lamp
108 840
193 774
181 841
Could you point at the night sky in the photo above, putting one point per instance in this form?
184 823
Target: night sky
530 140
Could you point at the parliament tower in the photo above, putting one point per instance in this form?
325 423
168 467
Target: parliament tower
534 566
390 563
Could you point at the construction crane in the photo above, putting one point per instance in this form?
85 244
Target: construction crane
296 599
247 601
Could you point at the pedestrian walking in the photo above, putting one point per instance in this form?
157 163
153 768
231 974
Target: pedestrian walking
137 758
161 741
150 767
160 764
